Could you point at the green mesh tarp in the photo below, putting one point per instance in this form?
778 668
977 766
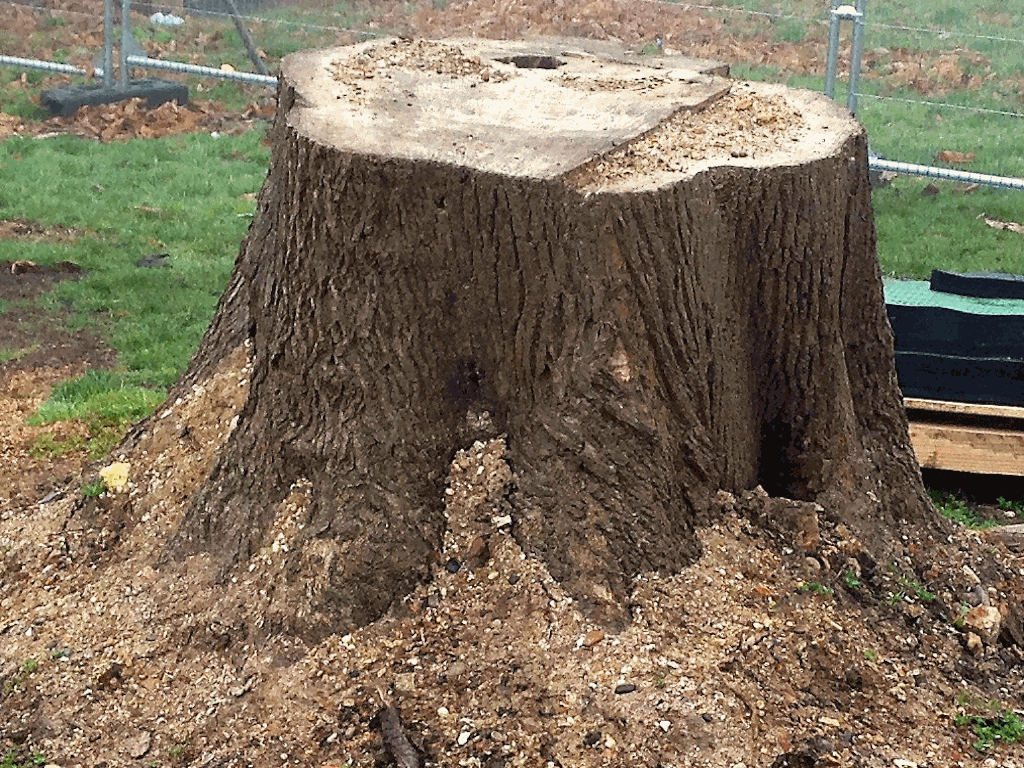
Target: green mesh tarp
917 293
960 348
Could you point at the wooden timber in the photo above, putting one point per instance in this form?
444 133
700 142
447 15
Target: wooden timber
967 437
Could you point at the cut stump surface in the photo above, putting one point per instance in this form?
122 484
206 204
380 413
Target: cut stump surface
544 110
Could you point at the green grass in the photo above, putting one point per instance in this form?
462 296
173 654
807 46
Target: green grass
1003 728
13 759
104 395
18 681
912 586
957 509
94 488
989 721
814 587
14 98
10 354
189 197
287 30
1011 505
919 233
851 581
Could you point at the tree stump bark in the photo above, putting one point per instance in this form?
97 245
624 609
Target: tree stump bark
659 284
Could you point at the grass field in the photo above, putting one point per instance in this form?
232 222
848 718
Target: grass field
190 197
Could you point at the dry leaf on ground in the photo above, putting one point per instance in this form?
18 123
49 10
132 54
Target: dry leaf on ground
1011 226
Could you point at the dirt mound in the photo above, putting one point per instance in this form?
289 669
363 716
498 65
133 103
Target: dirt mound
776 646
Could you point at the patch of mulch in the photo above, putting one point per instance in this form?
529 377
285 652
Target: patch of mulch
22 279
20 228
37 351
123 120
28 474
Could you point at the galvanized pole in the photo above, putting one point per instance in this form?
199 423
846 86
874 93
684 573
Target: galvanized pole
840 14
833 54
946 174
42 64
108 43
126 35
855 56
194 69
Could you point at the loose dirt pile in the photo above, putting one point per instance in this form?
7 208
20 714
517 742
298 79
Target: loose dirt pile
785 644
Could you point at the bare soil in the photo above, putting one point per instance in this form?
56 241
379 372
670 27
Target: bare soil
781 646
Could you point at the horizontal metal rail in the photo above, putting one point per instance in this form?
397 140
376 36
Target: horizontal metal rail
49 66
948 174
195 69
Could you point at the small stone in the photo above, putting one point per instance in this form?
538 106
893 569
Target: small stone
463 738
592 638
624 688
899 762
111 678
405 682
139 746
452 566
985 620
974 644
977 596
854 678
592 739
912 611
664 725
478 553
240 690
115 476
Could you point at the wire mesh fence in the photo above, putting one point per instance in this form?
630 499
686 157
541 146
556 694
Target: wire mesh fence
941 82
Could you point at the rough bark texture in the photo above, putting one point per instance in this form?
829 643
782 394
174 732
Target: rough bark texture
642 348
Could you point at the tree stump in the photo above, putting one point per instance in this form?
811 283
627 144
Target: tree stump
657 283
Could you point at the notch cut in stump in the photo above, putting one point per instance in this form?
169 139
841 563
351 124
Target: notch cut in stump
657 283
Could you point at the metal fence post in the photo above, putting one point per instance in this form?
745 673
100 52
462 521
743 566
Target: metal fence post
126 34
833 54
838 15
108 43
855 56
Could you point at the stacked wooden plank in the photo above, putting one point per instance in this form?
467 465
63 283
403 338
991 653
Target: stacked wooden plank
960 363
967 437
